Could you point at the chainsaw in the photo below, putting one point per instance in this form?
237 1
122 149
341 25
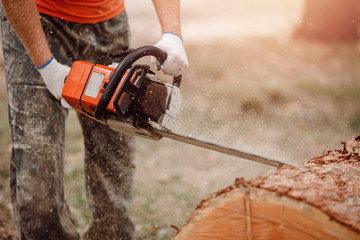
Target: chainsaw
132 99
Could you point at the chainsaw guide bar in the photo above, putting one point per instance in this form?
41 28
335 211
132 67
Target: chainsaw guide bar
219 148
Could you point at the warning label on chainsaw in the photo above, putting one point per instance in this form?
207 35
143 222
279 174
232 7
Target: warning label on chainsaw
94 85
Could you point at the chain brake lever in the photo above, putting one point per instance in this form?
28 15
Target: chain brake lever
122 53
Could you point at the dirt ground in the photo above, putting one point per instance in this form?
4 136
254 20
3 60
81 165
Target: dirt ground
249 85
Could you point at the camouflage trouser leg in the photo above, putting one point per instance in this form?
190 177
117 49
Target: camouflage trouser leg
108 181
37 125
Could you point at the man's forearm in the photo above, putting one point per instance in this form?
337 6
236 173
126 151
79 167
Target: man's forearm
168 12
24 18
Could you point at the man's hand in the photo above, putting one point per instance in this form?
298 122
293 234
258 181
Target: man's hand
54 74
176 61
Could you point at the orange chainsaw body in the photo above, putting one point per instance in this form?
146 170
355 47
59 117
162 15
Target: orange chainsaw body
85 84
129 98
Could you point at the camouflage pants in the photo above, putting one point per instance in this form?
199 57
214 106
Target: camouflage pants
37 123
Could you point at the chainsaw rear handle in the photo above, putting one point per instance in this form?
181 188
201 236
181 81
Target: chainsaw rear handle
121 69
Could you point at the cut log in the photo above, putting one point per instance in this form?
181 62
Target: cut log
320 199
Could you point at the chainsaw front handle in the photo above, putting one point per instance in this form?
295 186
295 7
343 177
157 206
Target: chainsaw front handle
121 69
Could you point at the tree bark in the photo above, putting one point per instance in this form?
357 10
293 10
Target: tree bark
319 199
330 20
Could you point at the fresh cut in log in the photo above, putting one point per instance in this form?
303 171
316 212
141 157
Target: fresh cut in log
319 199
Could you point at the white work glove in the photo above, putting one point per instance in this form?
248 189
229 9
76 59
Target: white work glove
176 61
54 74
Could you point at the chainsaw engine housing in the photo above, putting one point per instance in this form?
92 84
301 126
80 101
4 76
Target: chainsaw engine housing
141 99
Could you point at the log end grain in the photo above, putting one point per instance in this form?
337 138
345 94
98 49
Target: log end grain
320 199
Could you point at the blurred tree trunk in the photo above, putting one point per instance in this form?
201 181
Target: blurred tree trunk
330 20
